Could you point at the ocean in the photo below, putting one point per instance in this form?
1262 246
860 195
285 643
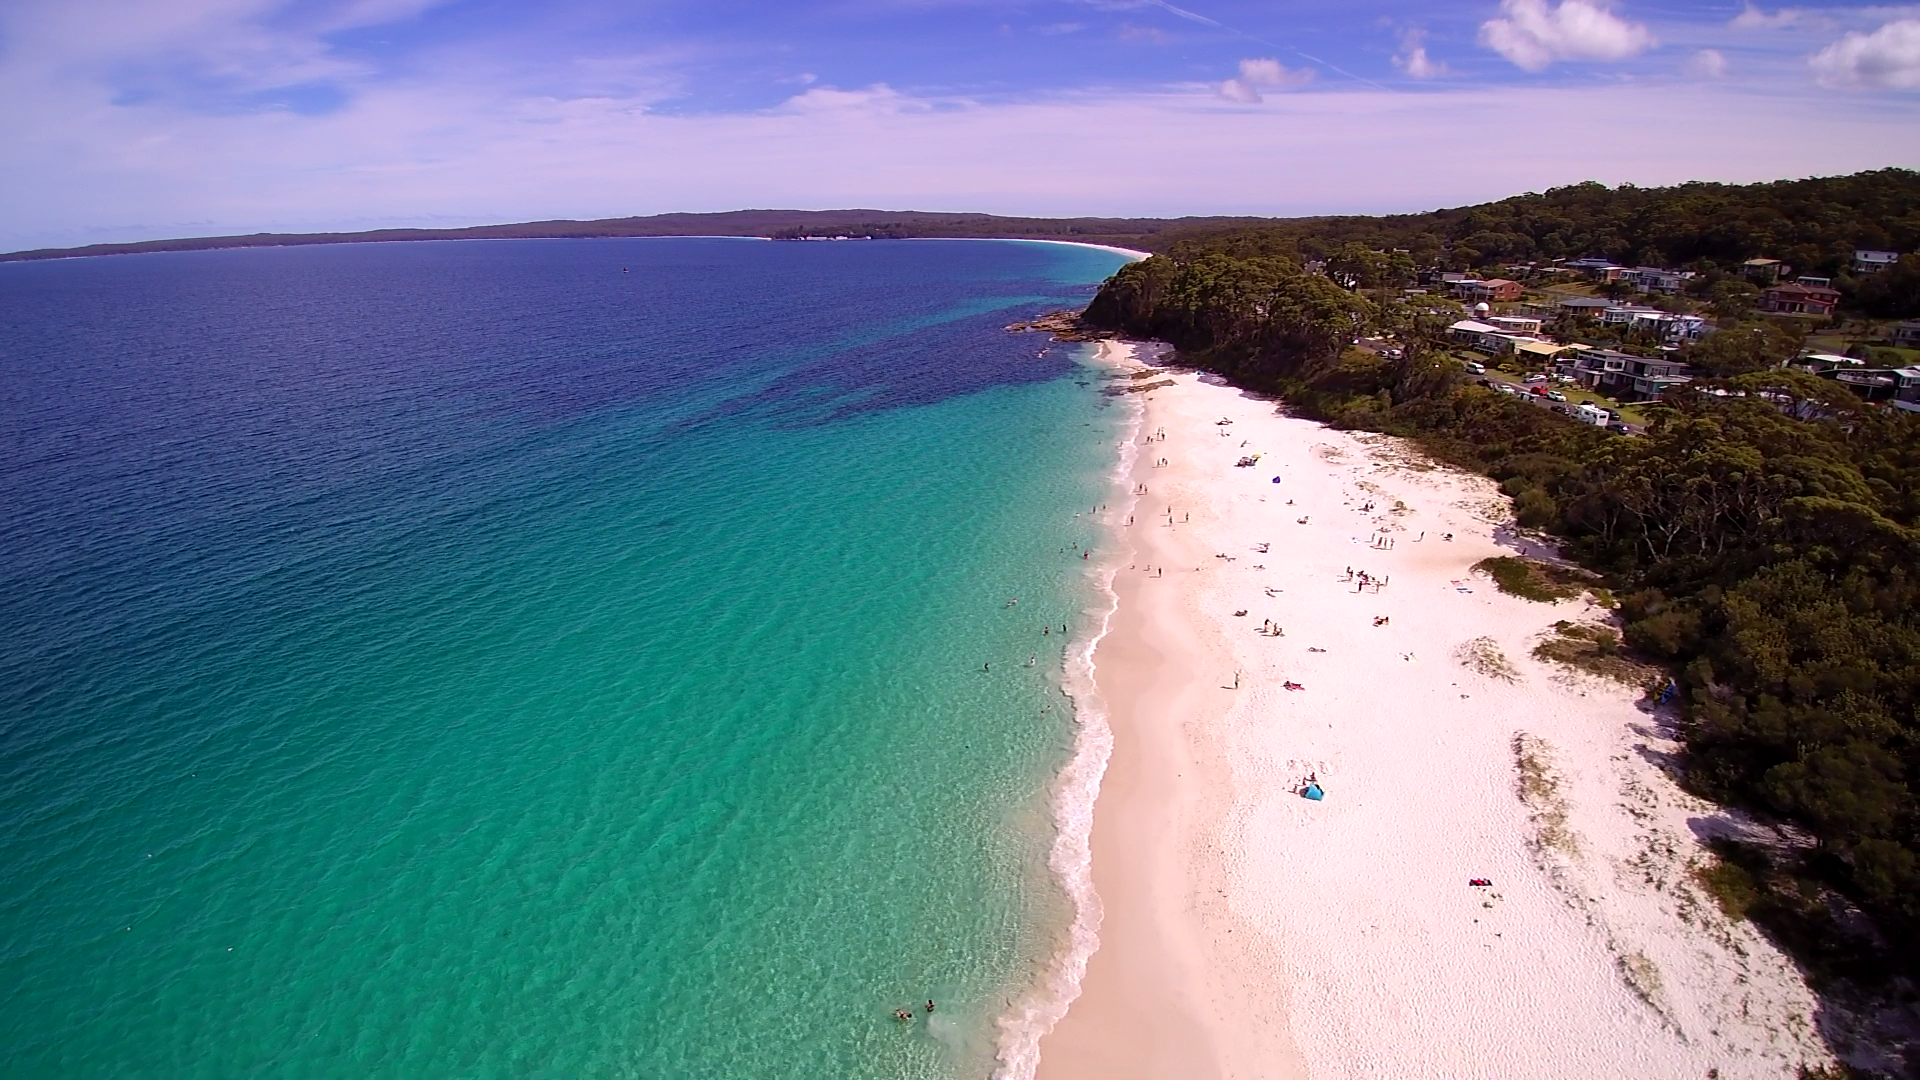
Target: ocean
574 658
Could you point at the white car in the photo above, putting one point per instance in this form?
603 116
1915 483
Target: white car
1535 378
1555 395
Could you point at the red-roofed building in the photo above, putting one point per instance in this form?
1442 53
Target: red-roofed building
1797 299
1496 290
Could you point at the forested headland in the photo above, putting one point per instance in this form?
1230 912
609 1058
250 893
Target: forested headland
1762 538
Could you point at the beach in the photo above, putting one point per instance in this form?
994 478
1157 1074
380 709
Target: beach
1500 879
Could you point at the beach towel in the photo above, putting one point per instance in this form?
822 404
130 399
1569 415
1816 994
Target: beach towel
1313 792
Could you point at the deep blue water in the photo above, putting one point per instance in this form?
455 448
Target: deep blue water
473 659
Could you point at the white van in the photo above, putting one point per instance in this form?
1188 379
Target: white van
1592 414
1476 367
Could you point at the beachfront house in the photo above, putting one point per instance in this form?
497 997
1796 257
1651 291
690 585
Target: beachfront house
1794 298
1764 271
1898 387
1906 335
1624 375
1872 262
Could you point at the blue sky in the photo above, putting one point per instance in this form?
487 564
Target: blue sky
133 119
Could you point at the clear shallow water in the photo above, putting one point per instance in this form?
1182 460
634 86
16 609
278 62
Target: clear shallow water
468 659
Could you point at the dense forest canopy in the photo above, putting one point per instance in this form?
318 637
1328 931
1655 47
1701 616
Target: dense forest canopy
1814 224
1771 562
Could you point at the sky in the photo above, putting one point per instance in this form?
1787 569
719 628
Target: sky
137 119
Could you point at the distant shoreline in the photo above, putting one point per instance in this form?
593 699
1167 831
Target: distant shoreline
1125 235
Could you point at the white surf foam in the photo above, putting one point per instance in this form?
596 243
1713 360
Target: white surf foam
1035 1013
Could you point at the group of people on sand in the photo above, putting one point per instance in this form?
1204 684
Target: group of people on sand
1364 580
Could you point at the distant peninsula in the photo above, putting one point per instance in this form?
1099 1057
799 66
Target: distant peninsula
775 224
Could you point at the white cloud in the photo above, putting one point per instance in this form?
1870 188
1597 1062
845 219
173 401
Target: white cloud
1534 33
1413 59
1753 18
1707 64
1262 74
1888 58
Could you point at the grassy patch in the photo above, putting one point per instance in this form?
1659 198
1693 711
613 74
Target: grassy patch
1731 885
1483 655
1593 649
1530 579
1539 788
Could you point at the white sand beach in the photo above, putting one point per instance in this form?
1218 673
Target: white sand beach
1251 932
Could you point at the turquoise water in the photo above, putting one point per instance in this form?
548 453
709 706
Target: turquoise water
473 660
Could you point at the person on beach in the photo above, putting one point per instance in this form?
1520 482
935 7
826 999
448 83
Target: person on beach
929 1004
902 1014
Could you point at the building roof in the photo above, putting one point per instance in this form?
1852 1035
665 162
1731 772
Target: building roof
1473 327
1761 262
1831 358
1540 348
1585 302
1794 288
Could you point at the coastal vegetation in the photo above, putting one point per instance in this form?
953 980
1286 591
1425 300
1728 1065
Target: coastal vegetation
1761 536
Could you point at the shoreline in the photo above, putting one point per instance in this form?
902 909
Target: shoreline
1244 931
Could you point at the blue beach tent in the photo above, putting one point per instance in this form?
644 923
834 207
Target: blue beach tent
1313 792
1276 479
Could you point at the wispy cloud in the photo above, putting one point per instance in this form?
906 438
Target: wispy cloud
1707 64
1412 59
1887 58
1535 33
1753 18
1262 74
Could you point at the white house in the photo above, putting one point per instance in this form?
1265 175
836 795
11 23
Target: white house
1872 262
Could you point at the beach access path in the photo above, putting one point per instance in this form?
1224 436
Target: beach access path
1250 931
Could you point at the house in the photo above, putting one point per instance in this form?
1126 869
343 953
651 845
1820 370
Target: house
1907 334
1796 299
1584 307
1820 361
1538 354
1625 375
1514 324
1478 335
1654 279
1597 269
1899 387
1872 262
1492 290
1764 271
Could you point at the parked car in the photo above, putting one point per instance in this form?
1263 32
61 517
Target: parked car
1538 391
1619 428
1555 395
1476 367
1561 409
1535 377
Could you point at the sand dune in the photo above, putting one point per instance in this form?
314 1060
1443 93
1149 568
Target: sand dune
1251 932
